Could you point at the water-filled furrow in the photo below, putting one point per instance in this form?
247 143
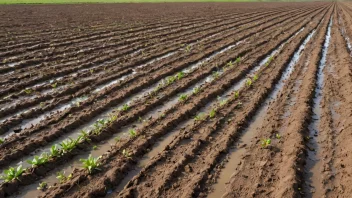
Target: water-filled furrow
344 34
247 134
27 123
313 186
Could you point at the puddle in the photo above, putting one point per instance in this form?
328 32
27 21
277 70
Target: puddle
313 186
247 135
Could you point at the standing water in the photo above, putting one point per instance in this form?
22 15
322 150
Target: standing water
313 186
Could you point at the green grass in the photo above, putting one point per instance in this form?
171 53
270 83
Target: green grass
108 1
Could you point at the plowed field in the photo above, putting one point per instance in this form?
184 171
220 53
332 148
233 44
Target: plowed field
176 100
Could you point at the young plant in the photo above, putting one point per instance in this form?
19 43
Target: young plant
269 61
255 77
199 117
182 97
236 94
212 113
265 143
95 147
188 48
102 122
180 75
196 90
278 136
28 91
216 74
170 80
249 82
39 160
126 153
55 151
112 117
238 60
84 135
132 133
2 140
90 164
54 85
69 144
222 102
42 186
125 107
12 173
229 64
62 177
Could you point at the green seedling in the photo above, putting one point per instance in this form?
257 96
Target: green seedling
2 140
28 91
200 116
55 151
188 48
12 173
278 136
140 119
196 90
69 144
42 186
132 133
62 177
112 117
126 153
255 77
39 160
54 85
249 82
236 94
125 107
84 135
95 147
180 75
170 80
90 164
222 102
97 128
265 143
238 60
269 60
216 74
212 113
229 64
91 71
182 97
102 122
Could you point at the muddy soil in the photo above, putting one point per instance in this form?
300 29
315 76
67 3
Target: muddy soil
177 99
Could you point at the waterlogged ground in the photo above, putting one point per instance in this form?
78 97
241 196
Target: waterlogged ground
194 100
